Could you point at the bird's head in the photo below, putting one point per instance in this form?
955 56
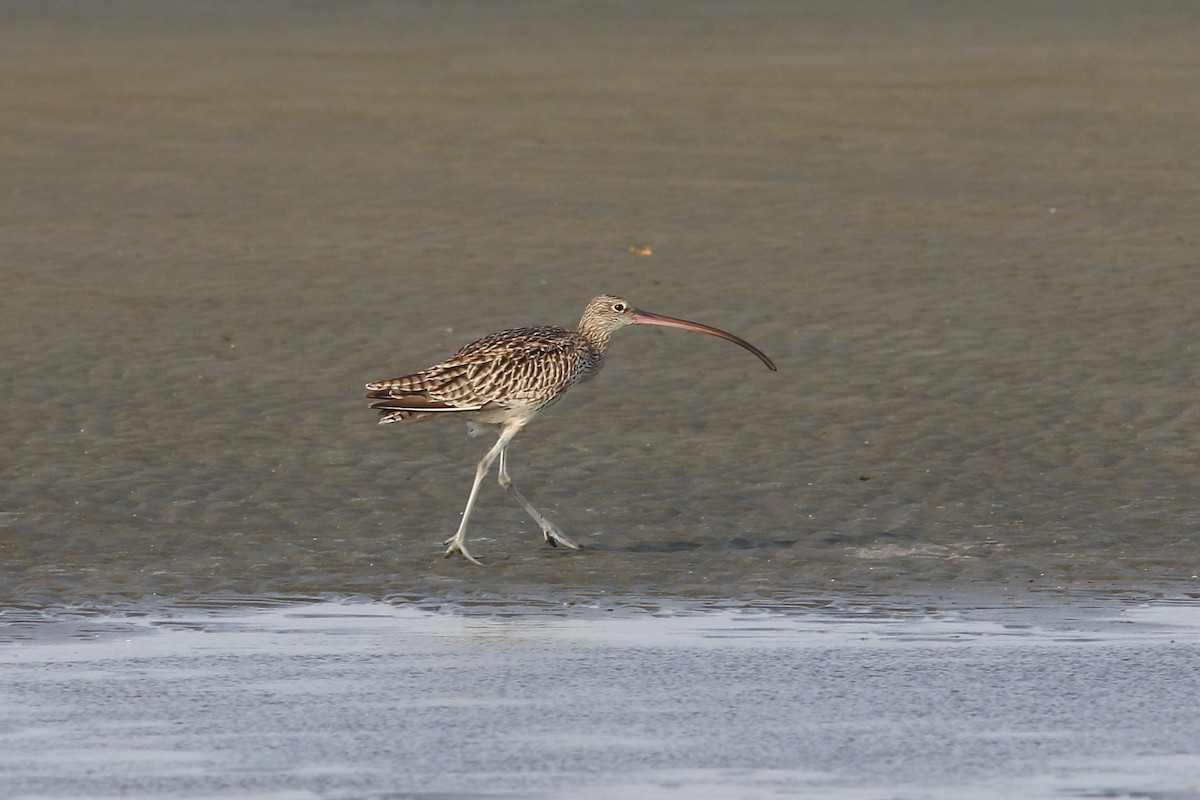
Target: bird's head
606 313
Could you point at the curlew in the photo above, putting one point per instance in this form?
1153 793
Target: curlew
504 380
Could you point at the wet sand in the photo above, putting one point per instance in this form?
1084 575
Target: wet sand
375 700
966 235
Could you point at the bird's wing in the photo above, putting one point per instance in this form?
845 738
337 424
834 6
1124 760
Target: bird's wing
445 387
523 366
518 367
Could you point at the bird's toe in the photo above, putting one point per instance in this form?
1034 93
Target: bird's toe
461 549
555 537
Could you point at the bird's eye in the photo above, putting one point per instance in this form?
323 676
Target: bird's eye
619 307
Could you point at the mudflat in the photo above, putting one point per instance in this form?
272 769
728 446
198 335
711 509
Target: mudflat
965 233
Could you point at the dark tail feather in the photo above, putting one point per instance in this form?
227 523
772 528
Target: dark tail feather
408 406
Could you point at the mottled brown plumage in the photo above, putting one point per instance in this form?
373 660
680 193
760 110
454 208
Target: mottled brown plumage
506 372
507 378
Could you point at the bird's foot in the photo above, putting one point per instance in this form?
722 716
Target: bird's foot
455 545
555 537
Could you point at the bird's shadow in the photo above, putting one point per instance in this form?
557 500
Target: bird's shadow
686 546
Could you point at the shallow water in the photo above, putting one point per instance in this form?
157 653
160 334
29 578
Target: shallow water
373 700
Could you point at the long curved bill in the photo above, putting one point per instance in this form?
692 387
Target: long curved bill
646 318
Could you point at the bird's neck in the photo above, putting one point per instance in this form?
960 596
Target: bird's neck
597 335
596 340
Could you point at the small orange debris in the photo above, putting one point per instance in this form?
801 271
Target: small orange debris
640 250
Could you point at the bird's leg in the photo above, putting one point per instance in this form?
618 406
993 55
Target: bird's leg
554 537
458 542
